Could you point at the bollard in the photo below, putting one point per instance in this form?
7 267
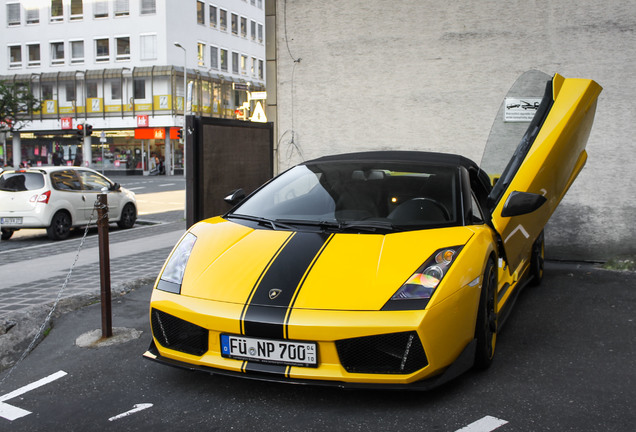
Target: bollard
104 264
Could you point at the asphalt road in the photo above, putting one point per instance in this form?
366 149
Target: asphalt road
565 362
159 199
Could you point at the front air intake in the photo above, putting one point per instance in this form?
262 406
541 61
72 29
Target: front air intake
179 335
393 353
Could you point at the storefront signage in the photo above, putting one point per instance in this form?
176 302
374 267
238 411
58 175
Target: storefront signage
150 133
142 120
257 95
67 122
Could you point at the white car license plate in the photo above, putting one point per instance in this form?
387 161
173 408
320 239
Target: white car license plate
11 221
270 351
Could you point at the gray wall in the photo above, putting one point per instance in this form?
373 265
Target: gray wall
430 75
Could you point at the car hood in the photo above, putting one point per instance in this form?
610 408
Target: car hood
238 264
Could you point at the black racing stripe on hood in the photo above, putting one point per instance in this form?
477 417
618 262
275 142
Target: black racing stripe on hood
265 317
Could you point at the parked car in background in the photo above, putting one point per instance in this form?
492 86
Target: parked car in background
58 199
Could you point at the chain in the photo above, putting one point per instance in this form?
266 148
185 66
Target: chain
59 294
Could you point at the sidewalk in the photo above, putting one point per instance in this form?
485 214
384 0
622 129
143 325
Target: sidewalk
33 276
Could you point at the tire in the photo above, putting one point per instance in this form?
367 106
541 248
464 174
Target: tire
128 216
486 326
60 227
7 233
537 260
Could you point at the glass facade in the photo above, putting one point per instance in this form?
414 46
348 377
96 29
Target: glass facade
151 95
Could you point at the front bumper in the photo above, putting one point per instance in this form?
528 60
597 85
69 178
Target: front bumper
463 363
445 335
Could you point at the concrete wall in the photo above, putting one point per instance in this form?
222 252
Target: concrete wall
430 75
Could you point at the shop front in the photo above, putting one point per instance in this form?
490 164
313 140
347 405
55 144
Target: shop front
115 152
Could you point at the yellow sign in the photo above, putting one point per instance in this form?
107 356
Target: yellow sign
259 114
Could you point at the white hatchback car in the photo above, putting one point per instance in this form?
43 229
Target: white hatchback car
58 199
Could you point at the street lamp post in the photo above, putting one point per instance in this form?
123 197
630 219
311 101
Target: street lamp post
185 91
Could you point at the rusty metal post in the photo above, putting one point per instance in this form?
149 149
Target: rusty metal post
104 264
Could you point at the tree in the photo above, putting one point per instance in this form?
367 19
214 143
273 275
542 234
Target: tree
16 101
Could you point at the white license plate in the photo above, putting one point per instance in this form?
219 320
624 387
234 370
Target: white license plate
283 352
11 221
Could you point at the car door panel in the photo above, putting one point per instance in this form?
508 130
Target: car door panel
550 165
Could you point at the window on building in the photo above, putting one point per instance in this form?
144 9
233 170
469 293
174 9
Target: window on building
243 64
212 16
201 54
260 33
260 4
77 52
223 19
57 53
47 91
139 88
224 59
214 57
200 13
57 10
32 14
70 91
122 8
91 89
235 24
77 9
15 56
244 27
253 2
148 7
235 63
100 8
115 89
253 29
253 67
34 54
13 14
260 69
123 48
102 52
148 47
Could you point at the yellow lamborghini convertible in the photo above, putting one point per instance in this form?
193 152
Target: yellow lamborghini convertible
385 269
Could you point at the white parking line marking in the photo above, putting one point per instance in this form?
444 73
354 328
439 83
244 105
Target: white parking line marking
10 412
167 184
136 188
485 424
137 408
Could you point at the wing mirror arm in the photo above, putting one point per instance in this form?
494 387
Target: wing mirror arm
520 203
235 197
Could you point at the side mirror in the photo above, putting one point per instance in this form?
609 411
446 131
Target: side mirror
235 197
520 203
115 187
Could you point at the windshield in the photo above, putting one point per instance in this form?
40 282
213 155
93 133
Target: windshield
21 181
359 194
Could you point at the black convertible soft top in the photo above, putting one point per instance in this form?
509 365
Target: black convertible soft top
400 156
432 158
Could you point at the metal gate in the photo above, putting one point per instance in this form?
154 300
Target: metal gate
223 155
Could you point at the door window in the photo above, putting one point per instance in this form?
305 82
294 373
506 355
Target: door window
65 180
93 182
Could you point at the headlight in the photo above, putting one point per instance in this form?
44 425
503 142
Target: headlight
172 274
418 289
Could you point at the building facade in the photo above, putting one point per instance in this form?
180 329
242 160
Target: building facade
431 75
118 66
